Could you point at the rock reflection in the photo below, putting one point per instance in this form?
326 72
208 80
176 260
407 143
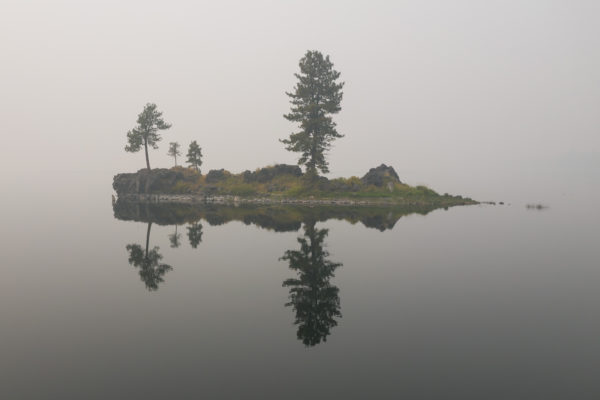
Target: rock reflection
151 270
314 299
278 218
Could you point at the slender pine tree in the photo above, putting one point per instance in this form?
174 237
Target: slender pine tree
146 132
194 156
174 150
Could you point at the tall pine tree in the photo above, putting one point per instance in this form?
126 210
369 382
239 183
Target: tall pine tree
316 97
146 132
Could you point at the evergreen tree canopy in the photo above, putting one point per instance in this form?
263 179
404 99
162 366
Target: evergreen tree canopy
194 156
151 270
174 239
174 150
146 132
316 96
195 234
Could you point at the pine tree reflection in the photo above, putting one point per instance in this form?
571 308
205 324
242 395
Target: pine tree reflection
148 261
314 299
174 239
195 234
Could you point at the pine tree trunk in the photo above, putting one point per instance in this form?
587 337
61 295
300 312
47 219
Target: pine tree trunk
313 156
175 160
146 150
148 237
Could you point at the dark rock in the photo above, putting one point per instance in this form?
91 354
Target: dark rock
380 176
536 207
216 175
267 174
159 180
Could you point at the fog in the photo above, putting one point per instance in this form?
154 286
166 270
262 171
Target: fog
497 100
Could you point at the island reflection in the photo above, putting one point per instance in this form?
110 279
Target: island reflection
278 218
313 298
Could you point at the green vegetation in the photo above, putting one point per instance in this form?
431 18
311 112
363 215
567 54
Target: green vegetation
146 132
316 97
287 182
194 156
174 150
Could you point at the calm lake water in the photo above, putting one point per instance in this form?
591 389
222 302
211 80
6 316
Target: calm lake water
482 302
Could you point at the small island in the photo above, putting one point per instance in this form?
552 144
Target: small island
276 184
314 100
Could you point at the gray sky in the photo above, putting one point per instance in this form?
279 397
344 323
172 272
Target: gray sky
484 98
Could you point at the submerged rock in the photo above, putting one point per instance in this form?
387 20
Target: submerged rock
380 176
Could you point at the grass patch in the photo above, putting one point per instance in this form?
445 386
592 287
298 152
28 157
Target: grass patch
285 182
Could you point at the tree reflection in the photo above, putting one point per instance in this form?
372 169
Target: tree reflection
148 261
314 299
195 234
174 239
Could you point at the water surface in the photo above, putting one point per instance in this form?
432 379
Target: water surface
494 302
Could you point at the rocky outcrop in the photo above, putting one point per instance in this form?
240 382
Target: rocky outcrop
267 174
380 176
158 180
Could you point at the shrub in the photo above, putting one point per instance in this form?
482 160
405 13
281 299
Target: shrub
216 175
182 187
242 189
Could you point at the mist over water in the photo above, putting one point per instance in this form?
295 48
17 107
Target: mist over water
454 301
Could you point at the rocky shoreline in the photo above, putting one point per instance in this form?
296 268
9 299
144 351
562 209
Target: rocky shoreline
233 200
276 185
